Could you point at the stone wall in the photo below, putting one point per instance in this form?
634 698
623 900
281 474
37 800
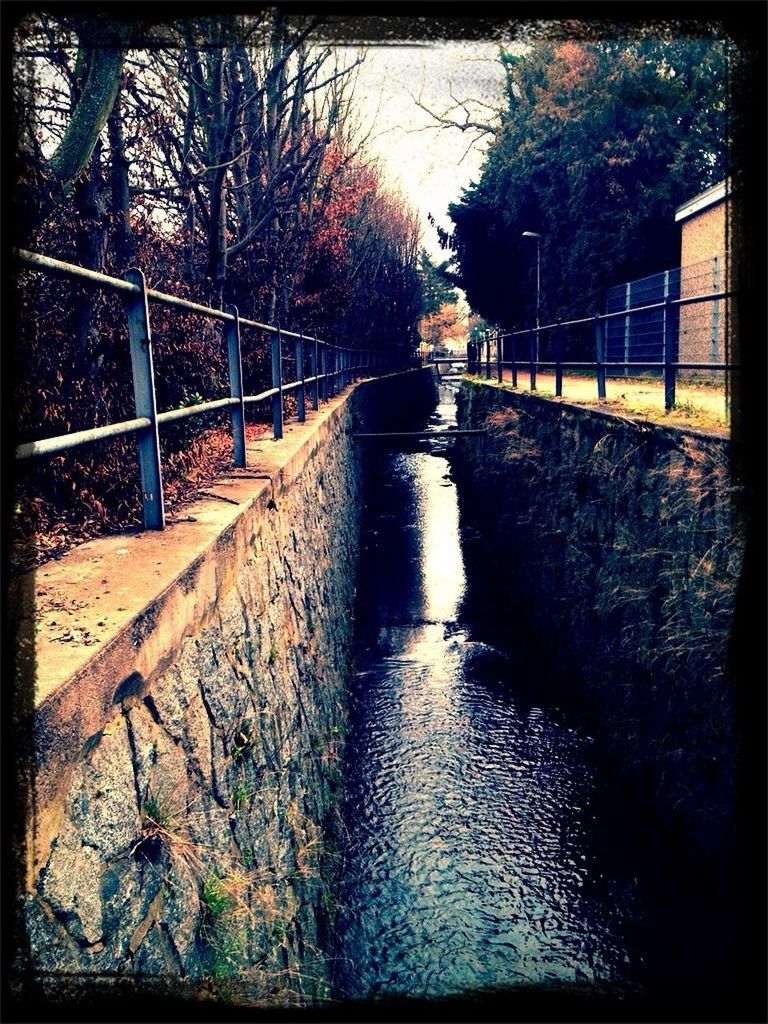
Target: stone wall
619 543
186 845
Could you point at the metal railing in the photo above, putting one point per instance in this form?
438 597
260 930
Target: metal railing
331 368
554 338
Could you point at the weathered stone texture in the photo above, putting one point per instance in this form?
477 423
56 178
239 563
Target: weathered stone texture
626 541
196 840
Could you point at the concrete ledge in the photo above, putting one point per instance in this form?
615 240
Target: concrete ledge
550 404
110 614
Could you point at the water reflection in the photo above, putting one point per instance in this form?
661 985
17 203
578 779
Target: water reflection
469 863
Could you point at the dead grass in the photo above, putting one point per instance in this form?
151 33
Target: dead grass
700 404
685 413
41 529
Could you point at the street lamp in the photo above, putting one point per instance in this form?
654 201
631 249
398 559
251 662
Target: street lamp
537 236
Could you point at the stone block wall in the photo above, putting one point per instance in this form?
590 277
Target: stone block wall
619 543
192 850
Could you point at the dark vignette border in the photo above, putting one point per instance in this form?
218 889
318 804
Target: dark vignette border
384 24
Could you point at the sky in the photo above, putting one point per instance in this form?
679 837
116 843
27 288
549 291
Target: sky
429 165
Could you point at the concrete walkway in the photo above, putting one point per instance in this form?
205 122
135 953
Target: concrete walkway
698 405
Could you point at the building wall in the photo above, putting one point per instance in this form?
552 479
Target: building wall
703 269
704 235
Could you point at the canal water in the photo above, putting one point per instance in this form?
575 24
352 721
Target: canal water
481 836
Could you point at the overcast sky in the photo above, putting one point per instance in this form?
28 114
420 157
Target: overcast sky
430 166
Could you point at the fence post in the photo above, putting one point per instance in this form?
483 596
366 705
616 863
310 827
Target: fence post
513 353
498 355
627 325
559 361
314 365
300 403
277 382
532 358
232 335
140 338
715 336
488 355
670 372
600 355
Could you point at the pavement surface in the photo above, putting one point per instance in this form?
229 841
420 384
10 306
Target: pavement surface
698 405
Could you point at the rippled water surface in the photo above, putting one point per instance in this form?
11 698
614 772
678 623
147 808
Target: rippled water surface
471 861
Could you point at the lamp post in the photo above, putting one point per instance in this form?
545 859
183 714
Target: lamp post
537 236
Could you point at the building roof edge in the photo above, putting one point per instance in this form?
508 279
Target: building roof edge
709 197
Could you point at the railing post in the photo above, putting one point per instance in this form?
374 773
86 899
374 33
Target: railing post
140 338
277 382
532 359
600 355
324 371
559 361
715 335
627 326
498 355
232 335
670 372
314 365
513 339
488 356
300 403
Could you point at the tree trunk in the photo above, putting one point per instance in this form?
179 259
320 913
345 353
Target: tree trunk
90 201
101 53
120 198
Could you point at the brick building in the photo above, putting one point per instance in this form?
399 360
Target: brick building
704 222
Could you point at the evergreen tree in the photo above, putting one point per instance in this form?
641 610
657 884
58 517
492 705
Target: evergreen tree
599 143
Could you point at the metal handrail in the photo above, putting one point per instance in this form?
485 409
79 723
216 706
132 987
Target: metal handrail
53 266
668 365
332 367
665 303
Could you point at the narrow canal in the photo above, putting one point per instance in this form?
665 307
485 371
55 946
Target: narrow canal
481 847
